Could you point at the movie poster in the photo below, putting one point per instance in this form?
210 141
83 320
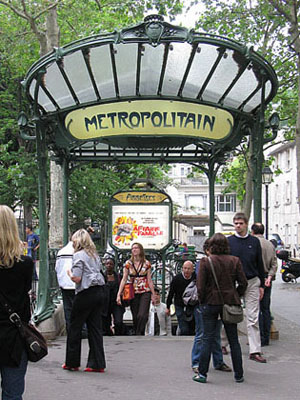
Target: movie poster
146 224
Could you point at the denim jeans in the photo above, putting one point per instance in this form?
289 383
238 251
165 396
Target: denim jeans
216 347
265 317
13 380
185 327
210 315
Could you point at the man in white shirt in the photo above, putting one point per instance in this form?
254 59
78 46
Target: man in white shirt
63 264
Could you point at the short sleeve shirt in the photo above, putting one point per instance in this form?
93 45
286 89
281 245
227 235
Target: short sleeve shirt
139 276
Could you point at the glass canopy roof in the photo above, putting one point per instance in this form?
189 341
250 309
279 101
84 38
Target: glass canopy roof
153 60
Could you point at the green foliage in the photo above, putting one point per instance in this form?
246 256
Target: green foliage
22 25
257 24
92 185
234 174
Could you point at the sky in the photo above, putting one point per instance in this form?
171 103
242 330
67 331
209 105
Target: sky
188 18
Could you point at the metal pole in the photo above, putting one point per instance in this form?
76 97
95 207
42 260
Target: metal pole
267 211
45 307
258 157
211 174
163 258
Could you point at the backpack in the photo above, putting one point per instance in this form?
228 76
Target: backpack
190 294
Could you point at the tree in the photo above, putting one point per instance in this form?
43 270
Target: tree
264 24
45 24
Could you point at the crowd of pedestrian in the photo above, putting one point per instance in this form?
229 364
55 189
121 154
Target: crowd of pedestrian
234 270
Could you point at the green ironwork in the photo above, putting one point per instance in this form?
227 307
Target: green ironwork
45 306
152 61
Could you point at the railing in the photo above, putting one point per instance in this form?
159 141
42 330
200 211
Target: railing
54 289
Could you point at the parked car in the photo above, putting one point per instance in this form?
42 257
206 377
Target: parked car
275 236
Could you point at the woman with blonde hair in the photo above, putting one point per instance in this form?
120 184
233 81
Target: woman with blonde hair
138 270
87 306
15 283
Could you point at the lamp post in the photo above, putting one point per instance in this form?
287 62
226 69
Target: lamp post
267 175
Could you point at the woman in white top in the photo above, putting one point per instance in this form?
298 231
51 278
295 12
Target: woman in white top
87 306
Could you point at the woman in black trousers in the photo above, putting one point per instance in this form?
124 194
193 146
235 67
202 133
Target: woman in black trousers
138 271
87 306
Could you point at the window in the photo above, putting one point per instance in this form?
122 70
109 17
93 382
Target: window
277 195
288 160
288 190
226 203
196 202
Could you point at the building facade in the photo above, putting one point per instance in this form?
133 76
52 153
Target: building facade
284 216
190 197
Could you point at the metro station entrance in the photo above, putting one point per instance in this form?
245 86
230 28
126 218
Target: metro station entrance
153 92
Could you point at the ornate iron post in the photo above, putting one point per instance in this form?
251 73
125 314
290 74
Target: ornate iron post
45 307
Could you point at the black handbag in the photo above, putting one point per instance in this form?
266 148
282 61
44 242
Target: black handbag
231 313
35 343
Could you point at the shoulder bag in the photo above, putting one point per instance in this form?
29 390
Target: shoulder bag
35 343
190 294
232 314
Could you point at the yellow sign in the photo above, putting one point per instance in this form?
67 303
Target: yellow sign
149 117
140 197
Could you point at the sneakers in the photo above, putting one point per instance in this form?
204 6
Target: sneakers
224 367
199 378
64 366
196 370
87 369
257 357
239 380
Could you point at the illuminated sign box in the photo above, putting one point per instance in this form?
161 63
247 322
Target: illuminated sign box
150 117
143 223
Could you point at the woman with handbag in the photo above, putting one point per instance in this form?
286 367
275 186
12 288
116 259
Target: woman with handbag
87 306
138 269
15 283
220 280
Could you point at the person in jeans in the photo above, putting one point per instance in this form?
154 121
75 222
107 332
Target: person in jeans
233 283
15 283
217 354
184 314
88 304
138 270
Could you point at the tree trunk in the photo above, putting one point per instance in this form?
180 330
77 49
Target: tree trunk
56 175
56 209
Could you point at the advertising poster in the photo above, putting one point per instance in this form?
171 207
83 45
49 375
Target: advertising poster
146 224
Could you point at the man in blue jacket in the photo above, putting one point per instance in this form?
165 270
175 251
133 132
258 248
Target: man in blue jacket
248 249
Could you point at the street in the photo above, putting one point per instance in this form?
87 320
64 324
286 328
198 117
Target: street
286 299
156 368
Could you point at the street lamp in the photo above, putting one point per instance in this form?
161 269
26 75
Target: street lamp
267 175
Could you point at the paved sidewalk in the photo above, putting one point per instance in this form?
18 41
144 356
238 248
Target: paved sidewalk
159 368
